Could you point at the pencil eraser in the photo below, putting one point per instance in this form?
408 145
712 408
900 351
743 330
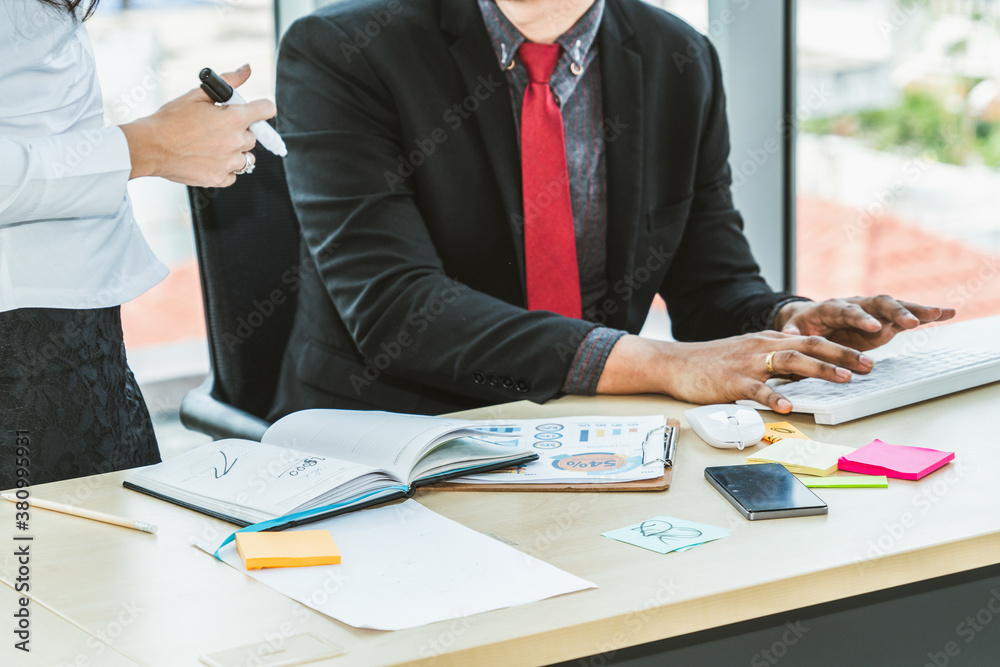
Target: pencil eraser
292 548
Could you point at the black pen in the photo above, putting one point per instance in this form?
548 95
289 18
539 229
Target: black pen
222 93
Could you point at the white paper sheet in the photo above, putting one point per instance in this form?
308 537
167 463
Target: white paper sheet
404 566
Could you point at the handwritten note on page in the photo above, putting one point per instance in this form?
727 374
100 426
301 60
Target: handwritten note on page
664 534
260 481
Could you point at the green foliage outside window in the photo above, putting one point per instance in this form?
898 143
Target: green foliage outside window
920 125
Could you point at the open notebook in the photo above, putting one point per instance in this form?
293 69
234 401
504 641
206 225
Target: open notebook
318 463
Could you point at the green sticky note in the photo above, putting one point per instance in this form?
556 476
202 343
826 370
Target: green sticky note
845 481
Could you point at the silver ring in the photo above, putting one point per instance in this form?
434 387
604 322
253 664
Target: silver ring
248 167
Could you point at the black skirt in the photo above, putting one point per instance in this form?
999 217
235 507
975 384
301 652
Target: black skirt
69 405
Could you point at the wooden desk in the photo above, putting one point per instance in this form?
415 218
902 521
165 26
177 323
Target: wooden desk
185 604
56 641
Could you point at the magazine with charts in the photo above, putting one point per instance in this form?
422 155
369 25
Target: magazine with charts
318 463
591 453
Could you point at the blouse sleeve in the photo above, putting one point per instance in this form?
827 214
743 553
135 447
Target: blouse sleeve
71 175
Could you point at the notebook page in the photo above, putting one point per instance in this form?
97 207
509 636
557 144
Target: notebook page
393 442
462 453
236 474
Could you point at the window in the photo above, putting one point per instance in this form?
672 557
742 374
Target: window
898 151
695 12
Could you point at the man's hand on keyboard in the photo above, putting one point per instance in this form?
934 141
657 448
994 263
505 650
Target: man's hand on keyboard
721 371
861 323
733 368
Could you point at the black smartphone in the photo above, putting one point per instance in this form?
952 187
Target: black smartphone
764 491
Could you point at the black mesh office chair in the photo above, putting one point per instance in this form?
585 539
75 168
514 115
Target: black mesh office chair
247 239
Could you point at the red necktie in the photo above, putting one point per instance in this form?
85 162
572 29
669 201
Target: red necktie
549 239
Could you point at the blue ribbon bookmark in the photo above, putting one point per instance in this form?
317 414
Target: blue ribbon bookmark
291 518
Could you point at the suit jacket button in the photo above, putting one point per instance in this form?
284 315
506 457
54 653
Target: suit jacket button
508 382
478 377
494 381
523 386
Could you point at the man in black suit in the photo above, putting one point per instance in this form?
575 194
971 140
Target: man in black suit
404 122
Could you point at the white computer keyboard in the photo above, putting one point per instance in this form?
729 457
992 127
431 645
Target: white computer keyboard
894 382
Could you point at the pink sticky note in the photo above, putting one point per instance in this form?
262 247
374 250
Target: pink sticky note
898 461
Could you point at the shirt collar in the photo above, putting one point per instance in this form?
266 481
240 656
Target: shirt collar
506 38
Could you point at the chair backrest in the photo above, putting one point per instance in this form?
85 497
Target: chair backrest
247 238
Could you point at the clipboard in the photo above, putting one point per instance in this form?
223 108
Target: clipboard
667 455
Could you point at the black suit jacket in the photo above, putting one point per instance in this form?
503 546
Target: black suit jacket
404 170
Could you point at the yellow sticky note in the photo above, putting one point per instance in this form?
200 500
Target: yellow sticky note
803 457
778 430
287 549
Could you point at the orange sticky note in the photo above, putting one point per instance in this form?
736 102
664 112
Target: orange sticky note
291 548
779 430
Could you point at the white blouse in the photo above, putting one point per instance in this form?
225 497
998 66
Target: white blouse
68 238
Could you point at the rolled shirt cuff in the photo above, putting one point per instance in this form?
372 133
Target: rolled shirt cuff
773 315
588 364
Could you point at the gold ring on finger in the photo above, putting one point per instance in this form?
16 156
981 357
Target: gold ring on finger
769 362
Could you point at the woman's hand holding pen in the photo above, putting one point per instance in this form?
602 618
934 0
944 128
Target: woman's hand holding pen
192 141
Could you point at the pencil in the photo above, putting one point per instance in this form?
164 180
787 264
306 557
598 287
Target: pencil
85 513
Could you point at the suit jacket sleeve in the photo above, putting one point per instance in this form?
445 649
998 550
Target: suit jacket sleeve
714 288
371 245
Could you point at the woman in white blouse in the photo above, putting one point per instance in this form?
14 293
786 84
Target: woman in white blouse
70 250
